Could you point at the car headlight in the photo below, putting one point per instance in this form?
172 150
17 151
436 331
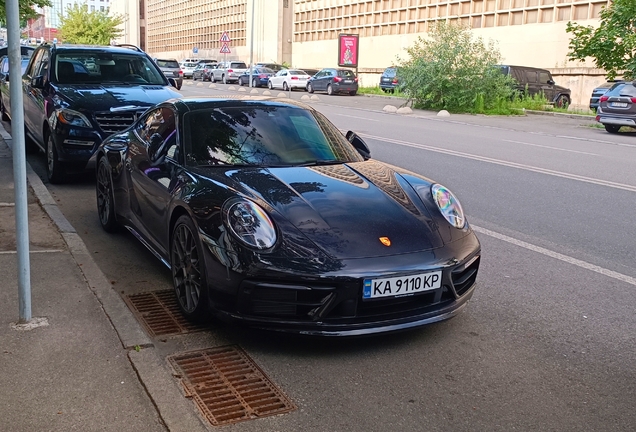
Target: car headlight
71 117
249 223
448 205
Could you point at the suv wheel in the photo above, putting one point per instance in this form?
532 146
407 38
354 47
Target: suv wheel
562 101
224 79
612 128
54 168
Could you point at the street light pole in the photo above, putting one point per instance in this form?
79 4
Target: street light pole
252 47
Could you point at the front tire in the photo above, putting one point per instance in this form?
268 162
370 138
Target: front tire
105 201
188 270
3 111
270 85
54 168
240 82
254 84
310 88
612 128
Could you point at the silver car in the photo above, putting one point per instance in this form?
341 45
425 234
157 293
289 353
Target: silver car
617 107
171 69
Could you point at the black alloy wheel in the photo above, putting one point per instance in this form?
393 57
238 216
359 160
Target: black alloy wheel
188 270
105 201
54 168
329 90
612 128
310 88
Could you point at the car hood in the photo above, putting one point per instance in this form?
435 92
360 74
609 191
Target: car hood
345 209
104 97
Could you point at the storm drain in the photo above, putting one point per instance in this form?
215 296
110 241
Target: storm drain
159 312
228 386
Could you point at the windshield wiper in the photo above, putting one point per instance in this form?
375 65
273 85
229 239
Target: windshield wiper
319 162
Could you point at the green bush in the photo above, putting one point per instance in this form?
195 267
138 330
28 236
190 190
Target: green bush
451 70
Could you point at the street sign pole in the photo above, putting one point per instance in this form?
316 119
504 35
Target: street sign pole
252 47
19 161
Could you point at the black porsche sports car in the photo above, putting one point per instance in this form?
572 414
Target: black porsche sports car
266 213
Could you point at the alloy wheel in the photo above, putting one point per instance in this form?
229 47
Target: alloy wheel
105 204
186 268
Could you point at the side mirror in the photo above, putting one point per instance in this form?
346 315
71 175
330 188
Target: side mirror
172 82
38 82
155 149
551 82
359 144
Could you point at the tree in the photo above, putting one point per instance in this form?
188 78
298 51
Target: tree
612 44
452 70
26 9
79 26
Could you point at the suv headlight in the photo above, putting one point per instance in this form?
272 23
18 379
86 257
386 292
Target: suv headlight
448 205
249 223
72 118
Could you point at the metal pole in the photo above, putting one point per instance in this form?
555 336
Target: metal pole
19 160
252 47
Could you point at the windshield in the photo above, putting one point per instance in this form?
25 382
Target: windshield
168 64
263 136
238 65
389 72
97 68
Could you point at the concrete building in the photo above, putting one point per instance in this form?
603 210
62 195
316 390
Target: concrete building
305 33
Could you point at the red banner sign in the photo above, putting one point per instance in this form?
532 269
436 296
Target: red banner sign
348 50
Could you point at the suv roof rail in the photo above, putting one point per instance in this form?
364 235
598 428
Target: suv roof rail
135 47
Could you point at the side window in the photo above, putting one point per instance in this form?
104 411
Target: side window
35 62
43 65
531 76
5 65
544 77
159 121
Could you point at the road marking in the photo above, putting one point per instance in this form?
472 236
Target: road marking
33 251
7 204
356 117
552 148
554 173
583 264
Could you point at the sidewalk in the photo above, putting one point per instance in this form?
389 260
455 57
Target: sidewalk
76 373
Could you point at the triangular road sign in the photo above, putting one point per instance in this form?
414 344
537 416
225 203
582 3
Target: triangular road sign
225 49
225 38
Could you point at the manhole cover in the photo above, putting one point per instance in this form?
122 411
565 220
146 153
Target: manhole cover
228 386
159 312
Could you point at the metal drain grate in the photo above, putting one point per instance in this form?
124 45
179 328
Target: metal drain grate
228 386
159 312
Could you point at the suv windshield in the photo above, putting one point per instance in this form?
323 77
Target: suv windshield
238 65
168 64
85 67
263 136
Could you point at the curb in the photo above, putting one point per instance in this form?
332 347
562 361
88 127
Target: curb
558 114
126 326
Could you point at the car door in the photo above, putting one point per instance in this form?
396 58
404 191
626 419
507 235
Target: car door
154 162
532 82
34 97
546 84
318 82
281 76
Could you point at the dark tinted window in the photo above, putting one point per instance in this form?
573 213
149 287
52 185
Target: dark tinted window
262 135
159 121
389 72
238 65
346 74
102 67
544 77
622 90
168 64
531 76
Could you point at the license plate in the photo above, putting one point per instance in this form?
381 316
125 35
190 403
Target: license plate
347 81
619 104
403 285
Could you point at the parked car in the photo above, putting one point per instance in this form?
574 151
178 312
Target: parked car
260 76
273 66
5 89
203 71
289 79
537 81
69 108
188 69
228 72
617 107
267 214
389 79
310 72
334 81
171 69
600 91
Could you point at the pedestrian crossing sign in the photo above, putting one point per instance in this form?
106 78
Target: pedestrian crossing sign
225 38
225 49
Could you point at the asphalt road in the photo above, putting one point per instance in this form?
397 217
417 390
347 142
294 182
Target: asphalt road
547 341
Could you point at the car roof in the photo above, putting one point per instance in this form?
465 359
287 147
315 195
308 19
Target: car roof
94 48
191 103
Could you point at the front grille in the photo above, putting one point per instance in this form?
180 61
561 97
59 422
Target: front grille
300 302
464 277
113 122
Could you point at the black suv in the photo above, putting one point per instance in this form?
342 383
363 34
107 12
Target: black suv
76 96
538 81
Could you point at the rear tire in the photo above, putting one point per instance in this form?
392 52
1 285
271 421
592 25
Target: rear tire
562 102
353 92
55 170
188 270
330 90
105 201
285 86
3 111
612 128
224 79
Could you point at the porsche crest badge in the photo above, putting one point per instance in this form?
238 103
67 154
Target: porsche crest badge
385 241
